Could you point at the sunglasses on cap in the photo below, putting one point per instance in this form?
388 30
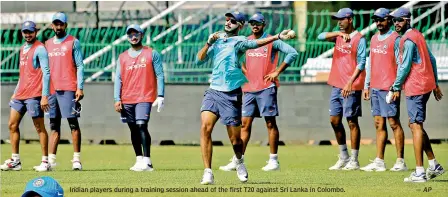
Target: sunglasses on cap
376 20
233 21
398 19
255 23
134 34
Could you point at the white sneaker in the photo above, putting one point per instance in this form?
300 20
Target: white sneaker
399 166
52 164
241 171
136 165
434 171
375 165
141 166
272 165
351 165
43 167
339 164
416 178
207 178
11 164
229 167
76 165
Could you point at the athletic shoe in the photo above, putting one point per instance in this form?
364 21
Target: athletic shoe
76 165
272 165
399 166
416 178
207 178
241 171
11 164
434 171
339 164
43 167
229 167
351 165
378 166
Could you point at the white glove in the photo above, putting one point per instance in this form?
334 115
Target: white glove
389 97
160 103
212 38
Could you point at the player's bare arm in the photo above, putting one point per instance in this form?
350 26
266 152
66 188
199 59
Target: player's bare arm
348 87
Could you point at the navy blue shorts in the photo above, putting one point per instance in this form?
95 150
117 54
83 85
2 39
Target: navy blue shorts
31 105
261 103
135 112
379 107
225 105
62 104
348 107
417 107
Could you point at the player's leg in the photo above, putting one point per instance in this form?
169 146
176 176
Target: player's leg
416 110
208 120
395 124
381 134
209 116
352 110
55 127
71 110
229 109
249 111
36 113
338 128
127 116
267 103
142 113
17 110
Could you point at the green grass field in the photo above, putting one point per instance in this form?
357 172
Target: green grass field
181 167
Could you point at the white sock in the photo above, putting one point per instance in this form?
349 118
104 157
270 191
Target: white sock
432 162
379 160
15 156
355 154
273 157
52 158
76 156
208 170
45 158
139 158
147 160
419 170
400 160
343 151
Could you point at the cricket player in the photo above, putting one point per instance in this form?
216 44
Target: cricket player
30 95
417 75
260 93
223 99
66 87
384 49
139 83
347 80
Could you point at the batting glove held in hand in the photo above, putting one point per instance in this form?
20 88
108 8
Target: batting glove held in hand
160 103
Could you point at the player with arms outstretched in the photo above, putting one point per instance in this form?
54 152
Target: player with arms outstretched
224 97
260 93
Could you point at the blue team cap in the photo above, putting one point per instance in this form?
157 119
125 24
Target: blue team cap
401 12
29 25
237 15
134 27
44 186
381 13
60 17
343 13
258 17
